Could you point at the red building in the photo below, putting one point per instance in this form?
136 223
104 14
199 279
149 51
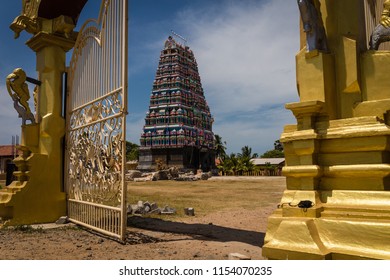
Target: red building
7 154
178 124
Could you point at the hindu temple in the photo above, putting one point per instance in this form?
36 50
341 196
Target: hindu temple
178 125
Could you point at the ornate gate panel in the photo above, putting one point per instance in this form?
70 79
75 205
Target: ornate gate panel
96 123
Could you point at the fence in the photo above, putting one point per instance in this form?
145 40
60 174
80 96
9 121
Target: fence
262 172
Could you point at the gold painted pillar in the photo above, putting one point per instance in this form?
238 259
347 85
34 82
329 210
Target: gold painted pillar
38 195
337 202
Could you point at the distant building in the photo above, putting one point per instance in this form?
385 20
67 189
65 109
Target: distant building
178 124
7 154
272 165
131 165
267 161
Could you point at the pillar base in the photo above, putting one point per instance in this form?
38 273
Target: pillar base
37 195
339 234
345 173
34 201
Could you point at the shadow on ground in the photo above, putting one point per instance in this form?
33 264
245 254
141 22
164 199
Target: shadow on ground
198 231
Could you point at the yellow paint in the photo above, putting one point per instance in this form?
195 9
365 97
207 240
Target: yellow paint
315 78
38 195
337 153
375 81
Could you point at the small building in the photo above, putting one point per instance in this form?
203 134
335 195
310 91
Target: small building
131 165
273 166
7 154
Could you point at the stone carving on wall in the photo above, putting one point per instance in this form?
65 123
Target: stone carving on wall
313 26
381 32
18 90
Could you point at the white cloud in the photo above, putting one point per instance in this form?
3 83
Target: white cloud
134 125
10 123
246 58
245 53
258 130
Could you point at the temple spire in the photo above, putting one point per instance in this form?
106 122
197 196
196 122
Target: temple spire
178 124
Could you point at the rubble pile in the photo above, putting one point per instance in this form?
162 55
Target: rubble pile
167 174
147 208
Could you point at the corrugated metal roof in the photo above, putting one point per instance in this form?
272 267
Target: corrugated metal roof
264 161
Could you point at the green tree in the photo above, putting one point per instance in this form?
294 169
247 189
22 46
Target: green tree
132 151
277 152
237 164
273 154
245 165
220 147
278 146
229 164
246 152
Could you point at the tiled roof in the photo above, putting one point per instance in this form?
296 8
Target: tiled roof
6 150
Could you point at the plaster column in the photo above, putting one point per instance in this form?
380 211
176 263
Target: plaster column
337 202
50 52
38 195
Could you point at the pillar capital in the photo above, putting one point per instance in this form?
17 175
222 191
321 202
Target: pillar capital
59 17
42 40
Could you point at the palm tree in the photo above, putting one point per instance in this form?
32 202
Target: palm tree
229 165
235 165
245 163
220 147
246 152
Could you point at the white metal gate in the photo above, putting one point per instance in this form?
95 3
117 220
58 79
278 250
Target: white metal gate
96 123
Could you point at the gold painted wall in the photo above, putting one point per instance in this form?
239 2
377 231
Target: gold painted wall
338 153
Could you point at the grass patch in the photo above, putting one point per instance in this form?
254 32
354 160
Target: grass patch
208 196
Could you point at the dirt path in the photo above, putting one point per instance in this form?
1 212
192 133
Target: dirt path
210 237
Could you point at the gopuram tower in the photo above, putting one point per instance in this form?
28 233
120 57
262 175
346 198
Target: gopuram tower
337 202
178 124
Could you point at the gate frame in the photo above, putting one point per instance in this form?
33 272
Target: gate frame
124 85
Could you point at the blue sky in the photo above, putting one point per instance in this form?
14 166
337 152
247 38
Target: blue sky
245 51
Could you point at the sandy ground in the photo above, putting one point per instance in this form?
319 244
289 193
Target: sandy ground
210 237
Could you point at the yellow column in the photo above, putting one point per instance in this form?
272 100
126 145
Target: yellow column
39 196
337 154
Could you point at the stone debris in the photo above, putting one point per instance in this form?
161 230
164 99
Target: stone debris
238 256
168 210
133 174
172 173
142 179
189 211
62 220
147 208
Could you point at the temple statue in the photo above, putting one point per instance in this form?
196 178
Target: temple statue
18 90
381 32
312 25
28 19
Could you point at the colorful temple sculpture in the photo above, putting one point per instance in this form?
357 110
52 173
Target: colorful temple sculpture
337 202
178 124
